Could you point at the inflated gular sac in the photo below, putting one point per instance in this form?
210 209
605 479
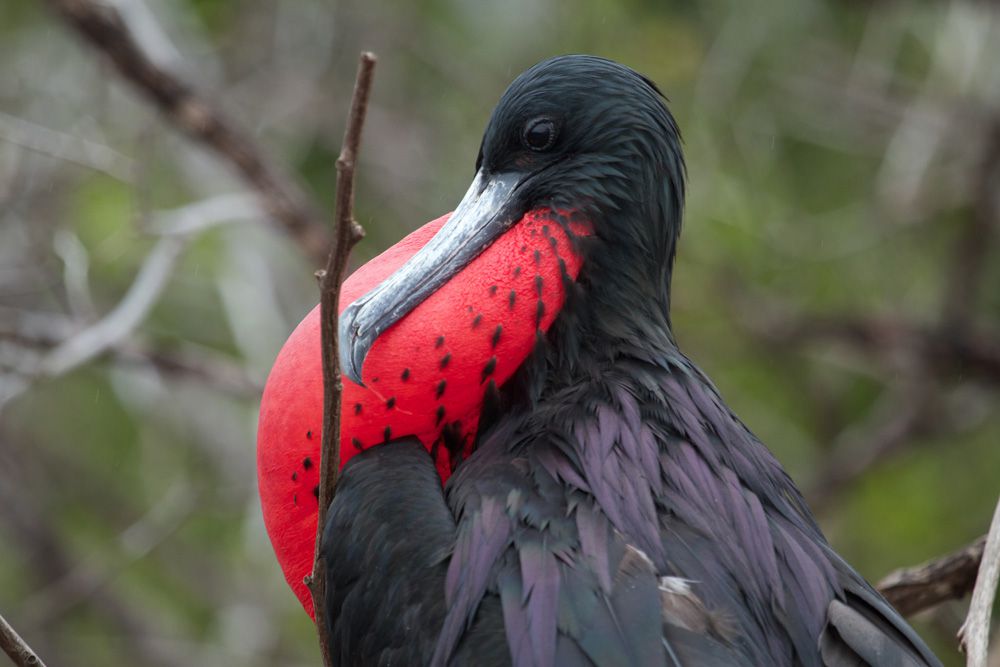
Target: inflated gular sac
425 376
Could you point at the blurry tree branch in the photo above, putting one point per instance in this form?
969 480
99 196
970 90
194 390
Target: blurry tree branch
925 357
924 360
927 361
969 351
16 648
59 145
32 335
972 248
204 214
347 232
198 117
117 325
949 577
974 634
31 531
67 343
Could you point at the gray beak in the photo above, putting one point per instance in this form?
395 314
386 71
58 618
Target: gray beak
486 211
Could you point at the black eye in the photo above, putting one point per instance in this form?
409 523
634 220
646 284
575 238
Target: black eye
539 134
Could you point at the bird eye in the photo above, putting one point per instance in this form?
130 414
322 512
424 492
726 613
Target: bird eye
539 134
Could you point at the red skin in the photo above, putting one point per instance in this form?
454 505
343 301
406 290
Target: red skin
407 363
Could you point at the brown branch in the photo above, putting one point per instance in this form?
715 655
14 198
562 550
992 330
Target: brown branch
974 635
965 281
950 577
200 119
347 233
967 352
34 332
16 648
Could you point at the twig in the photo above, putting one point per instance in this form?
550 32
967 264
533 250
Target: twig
16 648
65 147
347 233
911 590
205 214
104 28
76 273
971 257
29 335
116 326
970 351
974 635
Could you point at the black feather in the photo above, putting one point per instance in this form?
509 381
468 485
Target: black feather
615 511
385 591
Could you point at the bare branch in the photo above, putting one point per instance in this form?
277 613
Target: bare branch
968 351
16 648
204 214
193 363
65 147
347 233
76 272
29 335
911 590
76 347
115 327
974 635
965 281
196 116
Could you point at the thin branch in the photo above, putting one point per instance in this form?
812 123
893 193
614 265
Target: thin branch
204 214
974 635
965 281
347 233
29 336
16 648
80 346
65 147
116 326
912 590
196 116
76 273
194 364
971 351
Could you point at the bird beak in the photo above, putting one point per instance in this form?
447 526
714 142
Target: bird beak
487 210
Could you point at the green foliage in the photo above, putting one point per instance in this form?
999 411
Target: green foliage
804 123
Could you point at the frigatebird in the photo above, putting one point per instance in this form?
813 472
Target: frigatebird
610 509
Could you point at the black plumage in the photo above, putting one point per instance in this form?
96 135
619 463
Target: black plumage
615 510
382 611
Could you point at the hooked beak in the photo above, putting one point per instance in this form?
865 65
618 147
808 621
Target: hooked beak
487 210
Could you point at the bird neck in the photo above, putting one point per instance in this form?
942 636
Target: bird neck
620 303
625 301
610 317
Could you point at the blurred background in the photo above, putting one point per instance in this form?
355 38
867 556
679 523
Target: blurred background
838 277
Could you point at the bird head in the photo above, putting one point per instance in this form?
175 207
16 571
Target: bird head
582 139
